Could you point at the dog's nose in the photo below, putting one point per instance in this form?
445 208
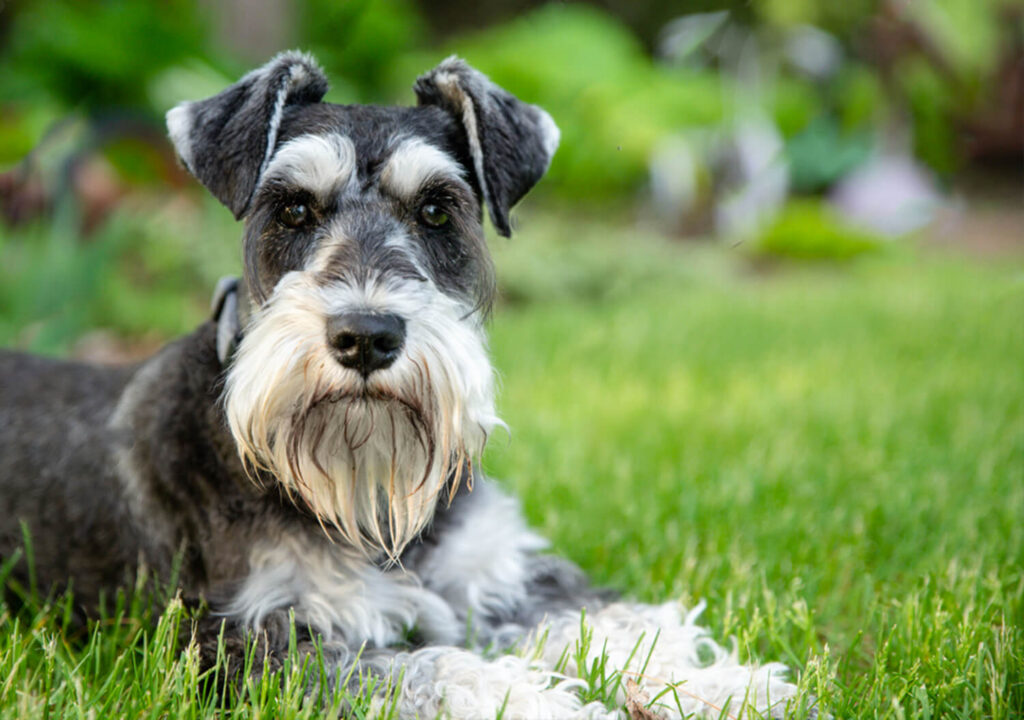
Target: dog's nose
366 341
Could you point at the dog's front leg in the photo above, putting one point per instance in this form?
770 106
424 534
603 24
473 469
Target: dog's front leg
490 568
658 656
431 682
460 684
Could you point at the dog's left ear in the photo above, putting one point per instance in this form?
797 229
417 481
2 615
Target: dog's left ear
510 142
226 141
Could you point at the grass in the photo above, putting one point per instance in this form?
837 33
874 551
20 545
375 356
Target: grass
831 456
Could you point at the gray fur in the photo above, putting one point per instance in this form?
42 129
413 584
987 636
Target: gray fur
226 140
110 467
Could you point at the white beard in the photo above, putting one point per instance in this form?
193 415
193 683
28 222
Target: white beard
371 458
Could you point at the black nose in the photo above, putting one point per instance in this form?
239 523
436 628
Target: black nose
366 341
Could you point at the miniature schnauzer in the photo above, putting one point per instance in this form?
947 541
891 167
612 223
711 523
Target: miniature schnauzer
311 452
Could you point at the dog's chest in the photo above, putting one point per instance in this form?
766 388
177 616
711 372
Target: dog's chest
339 594
474 569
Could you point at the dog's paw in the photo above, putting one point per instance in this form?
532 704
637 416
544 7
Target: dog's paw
671 660
445 682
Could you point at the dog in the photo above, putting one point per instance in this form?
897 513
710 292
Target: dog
307 462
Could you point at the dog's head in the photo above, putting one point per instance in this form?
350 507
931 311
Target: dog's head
361 381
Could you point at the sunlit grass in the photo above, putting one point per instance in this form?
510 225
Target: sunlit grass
832 457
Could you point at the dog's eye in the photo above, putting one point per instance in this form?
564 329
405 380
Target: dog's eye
433 215
294 215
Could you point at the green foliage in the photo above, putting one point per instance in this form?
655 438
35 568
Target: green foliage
358 41
142 276
967 31
610 100
821 154
794 103
839 17
96 53
859 98
932 108
21 128
808 230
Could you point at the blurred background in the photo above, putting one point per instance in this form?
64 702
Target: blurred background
779 131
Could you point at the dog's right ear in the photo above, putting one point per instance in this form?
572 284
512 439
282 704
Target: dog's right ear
226 141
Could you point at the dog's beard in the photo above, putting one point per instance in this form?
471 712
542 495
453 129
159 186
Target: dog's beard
371 458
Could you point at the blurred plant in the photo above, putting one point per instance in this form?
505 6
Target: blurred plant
358 41
76 116
729 181
614 102
954 71
822 80
582 258
22 126
147 274
95 55
611 102
842 19
821 154
810 230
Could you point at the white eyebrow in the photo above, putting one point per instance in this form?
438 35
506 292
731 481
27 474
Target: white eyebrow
321 164
414 162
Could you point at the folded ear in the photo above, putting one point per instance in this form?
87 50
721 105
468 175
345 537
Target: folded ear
226 141
510 142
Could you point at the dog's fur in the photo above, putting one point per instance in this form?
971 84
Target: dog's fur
288 481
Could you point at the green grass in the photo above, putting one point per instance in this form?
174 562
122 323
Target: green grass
831 456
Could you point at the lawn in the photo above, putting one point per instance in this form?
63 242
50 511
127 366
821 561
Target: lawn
831 456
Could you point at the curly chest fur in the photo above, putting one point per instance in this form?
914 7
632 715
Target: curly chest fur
473 571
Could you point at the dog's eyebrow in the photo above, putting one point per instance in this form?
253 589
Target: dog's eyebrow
413 163
321 164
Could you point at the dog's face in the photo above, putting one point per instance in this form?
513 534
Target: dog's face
361 382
